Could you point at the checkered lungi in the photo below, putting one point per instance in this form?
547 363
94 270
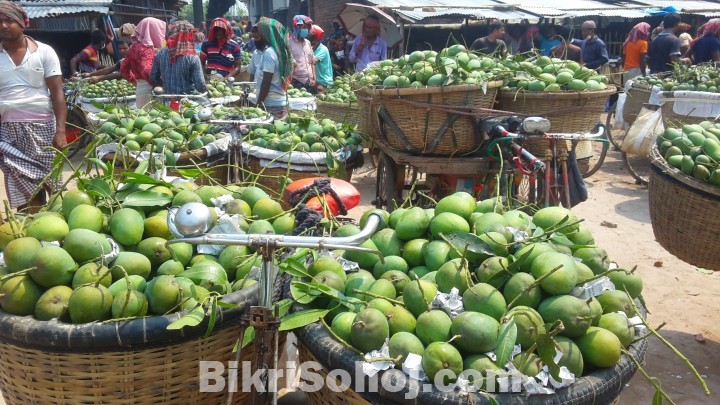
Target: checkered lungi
23 178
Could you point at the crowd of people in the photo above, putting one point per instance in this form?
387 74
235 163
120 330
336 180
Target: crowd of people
180 58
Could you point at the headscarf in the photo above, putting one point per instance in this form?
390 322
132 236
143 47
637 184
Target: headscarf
640 28
317 32
684 27
14 12
300 19
530 33
712 27
220 23
150 32
180 39
275 34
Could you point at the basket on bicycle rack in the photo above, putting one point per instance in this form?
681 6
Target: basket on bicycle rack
435 120
685 214
689 107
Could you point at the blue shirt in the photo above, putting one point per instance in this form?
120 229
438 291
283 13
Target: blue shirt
376 52
547 44
323 68
267 61
594 53
182 77
704 47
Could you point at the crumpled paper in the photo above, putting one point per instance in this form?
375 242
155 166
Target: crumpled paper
518 234
114 251
220 201
449 303
516 350
412 366
227 224
593 288
370 369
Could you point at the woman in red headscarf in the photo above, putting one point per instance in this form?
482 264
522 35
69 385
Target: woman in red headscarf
177 67
220 53
707 47
635 48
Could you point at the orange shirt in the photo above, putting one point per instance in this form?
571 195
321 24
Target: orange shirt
633 50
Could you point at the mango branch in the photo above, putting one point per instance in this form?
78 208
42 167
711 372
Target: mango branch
339 339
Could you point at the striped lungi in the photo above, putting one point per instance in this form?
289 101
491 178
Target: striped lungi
27 171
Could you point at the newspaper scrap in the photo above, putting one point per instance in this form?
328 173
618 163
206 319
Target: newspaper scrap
518 234
593 288
370 369
449 303
412 366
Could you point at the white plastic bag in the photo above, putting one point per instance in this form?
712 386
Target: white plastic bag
643 132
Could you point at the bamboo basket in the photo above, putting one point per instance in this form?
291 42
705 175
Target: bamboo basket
427 121
602 386
129 362
685 214
345 113
636 98
568 112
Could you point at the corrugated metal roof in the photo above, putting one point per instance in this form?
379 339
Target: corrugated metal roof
413 4
682 5
49 8
547 12
611 12
418 15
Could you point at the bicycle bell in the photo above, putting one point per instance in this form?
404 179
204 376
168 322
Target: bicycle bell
205 114
188 220
230 79
158 90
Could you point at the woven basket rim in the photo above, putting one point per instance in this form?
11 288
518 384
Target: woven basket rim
379 91
664 168
54 335
196 156
349 104
532 95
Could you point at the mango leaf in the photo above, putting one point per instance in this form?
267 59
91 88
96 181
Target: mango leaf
515 264
302 294
473 242
213 315
248 337
302 318
492 401
538 232
138 178
657 397
560 239
98 105
192 318
147 199
283 306
546 351
105 166
506 342
97 187
213 275
327 290
189 173
227 305
142 167
294 267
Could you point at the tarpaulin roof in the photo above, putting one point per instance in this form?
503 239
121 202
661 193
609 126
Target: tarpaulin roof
51 8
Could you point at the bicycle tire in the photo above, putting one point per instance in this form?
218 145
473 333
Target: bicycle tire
600 149
77 118
386 193
638 166
616 136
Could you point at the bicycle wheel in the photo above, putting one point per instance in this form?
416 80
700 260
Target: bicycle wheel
588 166
638 166
76 119
616 136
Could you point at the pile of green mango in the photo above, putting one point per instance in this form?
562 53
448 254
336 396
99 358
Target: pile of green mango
694 150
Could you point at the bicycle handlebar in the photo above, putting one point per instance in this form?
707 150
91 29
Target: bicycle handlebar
503 135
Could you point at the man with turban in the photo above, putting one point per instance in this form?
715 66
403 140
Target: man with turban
220 52
634 49
271 66
177 67
33 111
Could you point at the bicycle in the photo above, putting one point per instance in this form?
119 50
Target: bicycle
76 120
549 182
189 224
237 129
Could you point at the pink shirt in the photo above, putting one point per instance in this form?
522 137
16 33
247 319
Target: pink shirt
303 56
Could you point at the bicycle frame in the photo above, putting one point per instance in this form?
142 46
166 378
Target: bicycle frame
193 219
235 156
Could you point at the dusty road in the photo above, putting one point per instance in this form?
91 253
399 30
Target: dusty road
686 300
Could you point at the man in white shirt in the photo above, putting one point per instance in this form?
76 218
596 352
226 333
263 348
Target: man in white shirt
33 111
271 66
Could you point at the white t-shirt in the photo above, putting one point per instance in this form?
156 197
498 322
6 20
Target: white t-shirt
24 95
267 61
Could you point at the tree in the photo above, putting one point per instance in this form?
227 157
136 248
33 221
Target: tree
218 8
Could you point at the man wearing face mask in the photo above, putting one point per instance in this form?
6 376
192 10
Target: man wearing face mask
368 47
303 75
594 52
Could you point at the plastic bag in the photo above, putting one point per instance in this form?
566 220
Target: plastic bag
643 132
619 122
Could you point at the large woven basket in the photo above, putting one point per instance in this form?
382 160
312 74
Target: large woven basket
669 98
316 344
636 97
685 214
275 179
129 362
428 121
568 112
346 113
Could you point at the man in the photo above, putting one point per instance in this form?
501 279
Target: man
177 67
110 72
338 54
303 75
271 66
32 107
664 50
368 47
593 49
707 47
87 61
323 64
220 52
549 40
492 44
237 31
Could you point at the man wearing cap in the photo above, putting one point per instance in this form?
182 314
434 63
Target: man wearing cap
323 64
303 75
594 52
32 107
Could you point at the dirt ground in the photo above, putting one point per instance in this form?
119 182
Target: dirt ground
686 300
